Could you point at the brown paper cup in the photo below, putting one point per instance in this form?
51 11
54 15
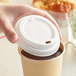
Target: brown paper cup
50 67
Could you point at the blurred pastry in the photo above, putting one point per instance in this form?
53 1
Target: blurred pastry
38 4
60 6
54 5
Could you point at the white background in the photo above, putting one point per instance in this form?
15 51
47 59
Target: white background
10 63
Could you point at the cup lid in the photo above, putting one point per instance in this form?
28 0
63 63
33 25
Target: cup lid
37 35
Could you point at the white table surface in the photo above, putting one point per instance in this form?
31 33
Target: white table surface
10 63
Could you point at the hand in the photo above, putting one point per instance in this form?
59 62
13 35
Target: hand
9 14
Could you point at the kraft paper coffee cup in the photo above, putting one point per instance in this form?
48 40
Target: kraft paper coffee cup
39 39
49 67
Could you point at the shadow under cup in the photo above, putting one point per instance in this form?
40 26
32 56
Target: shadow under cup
42 67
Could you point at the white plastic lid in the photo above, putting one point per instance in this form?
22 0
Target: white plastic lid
37 35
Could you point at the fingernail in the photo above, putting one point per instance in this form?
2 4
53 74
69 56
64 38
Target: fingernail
15 40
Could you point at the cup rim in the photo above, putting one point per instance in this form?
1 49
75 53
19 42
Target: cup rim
61 46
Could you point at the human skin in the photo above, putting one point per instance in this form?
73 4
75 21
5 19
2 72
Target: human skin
10 13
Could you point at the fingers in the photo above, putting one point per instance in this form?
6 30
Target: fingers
8 29
19 11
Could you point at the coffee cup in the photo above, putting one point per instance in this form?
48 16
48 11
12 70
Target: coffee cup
39 46
45 67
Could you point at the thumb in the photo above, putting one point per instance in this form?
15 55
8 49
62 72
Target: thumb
8 29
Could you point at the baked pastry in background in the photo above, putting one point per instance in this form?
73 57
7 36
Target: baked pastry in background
54 5
60 6
38 4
